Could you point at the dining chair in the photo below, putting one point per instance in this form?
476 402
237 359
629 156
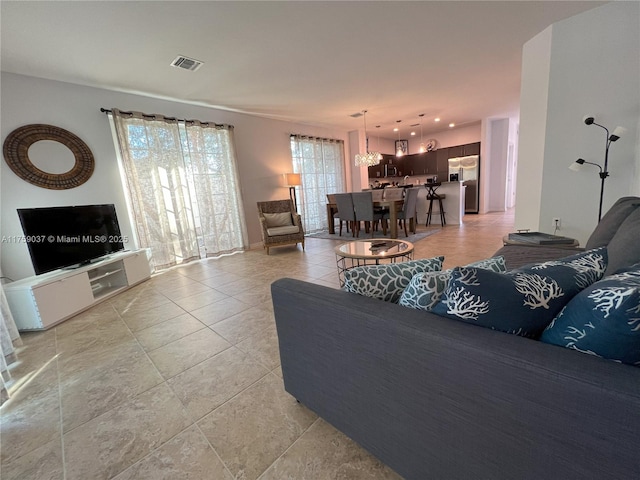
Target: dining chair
408 211
345 211
363 206
393 193
377 194
331 200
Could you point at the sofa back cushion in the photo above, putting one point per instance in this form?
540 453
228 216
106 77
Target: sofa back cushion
611 221
624 247
603 319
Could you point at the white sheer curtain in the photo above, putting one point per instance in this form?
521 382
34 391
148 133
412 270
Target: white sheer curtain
183 189
8 336
320 161
214 181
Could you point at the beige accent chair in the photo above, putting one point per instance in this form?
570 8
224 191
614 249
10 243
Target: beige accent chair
280 223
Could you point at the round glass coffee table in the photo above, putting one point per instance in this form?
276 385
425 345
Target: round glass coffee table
371 252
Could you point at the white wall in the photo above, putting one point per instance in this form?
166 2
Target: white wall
585 65
498 138
534 90
451 137
448 137
262 146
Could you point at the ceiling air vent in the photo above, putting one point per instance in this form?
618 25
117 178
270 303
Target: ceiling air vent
187 63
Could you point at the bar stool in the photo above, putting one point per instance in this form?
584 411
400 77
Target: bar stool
433 196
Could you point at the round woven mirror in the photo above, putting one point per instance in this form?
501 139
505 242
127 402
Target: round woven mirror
16 154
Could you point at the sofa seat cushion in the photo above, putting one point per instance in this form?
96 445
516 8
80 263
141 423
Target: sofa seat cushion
603 319
387 282
624 247
425 289
522 301
285 230
282 219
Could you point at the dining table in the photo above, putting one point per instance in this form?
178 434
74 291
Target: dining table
393 205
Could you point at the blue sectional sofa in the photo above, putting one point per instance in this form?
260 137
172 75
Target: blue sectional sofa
435 398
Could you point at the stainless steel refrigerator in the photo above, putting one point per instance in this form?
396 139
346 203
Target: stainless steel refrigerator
467 170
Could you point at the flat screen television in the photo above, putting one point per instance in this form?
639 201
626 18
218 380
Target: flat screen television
59 237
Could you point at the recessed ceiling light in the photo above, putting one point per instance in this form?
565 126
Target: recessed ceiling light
451 125
436 119
395 129
413 134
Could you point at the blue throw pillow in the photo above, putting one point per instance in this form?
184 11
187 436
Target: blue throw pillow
425 289
386 282
602 320
523 301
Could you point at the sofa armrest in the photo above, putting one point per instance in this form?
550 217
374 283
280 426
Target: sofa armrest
436 398
263 226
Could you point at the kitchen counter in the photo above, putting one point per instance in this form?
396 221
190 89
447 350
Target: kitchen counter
453 204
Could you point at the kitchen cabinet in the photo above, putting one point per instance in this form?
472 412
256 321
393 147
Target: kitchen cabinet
442 162
395 166
388 167
376 171
464 150
415 164
432 163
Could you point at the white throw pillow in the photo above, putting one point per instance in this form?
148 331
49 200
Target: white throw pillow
278 219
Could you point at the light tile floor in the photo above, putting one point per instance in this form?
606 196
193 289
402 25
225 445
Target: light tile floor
179 377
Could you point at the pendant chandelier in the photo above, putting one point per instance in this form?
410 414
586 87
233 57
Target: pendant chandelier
368 159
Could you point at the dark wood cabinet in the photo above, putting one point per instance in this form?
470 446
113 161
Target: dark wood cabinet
395 166
377 171
429 163
389 167
464 150
415 164
432 163
457 151
471 149
442 156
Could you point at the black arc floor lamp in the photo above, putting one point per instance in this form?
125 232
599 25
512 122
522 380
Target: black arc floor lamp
604 172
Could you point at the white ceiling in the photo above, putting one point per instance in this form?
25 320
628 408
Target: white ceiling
307 62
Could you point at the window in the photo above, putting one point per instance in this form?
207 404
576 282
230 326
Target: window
182 184
320 162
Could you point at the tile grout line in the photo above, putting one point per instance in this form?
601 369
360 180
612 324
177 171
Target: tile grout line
226 402
62 452
164 381
292 444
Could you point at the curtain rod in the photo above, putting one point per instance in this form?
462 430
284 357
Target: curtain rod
108 111
311 137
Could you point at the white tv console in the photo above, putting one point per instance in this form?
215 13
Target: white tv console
42 301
